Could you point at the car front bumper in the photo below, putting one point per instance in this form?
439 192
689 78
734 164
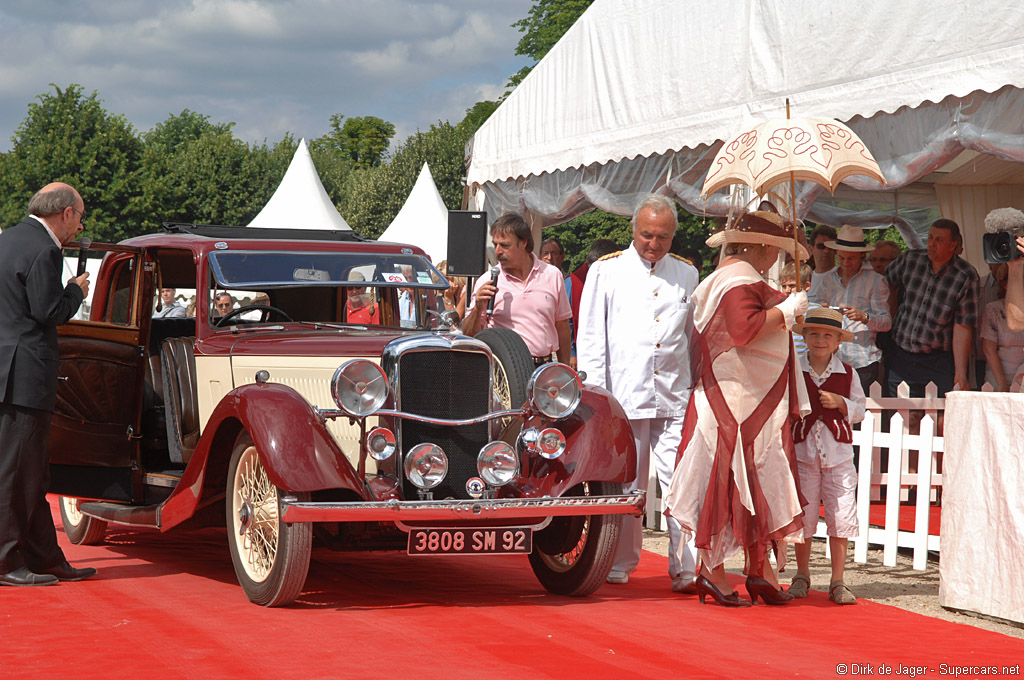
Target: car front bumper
469 510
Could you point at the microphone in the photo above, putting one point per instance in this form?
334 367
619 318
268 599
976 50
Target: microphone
83 246
494 282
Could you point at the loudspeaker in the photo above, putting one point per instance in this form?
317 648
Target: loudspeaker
467 243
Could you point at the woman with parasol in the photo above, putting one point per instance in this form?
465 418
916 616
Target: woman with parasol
735 483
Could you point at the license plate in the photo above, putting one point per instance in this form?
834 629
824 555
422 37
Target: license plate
498 541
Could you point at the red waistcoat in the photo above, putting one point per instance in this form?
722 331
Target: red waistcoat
837 423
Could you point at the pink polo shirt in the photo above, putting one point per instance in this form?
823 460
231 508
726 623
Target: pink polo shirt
530 307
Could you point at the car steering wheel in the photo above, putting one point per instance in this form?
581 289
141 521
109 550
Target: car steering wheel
264 317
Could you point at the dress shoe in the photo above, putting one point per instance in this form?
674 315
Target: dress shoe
769 594
684 585
705 587
23 577
618 578
65 572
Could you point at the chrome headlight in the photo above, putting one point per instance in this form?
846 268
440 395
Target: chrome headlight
359 387
426 465
550 443
380 443
555 390
497 463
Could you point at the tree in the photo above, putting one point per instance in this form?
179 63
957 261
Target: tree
544 26
360 141
68 137
162 195
375 195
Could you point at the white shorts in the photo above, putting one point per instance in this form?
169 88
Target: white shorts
836 488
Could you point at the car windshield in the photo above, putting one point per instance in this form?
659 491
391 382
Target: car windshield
360 289
263 269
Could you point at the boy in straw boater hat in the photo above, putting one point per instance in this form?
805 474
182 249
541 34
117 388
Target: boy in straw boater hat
824 447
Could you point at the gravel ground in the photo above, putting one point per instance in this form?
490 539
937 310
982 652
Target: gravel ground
900 586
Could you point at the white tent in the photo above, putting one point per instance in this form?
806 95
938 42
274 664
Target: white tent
639 94
300 201
423 219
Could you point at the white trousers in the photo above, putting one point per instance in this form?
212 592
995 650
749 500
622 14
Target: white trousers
656 438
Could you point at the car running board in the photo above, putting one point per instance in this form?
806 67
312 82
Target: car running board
118 513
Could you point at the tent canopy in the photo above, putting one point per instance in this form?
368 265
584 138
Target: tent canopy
639 94
300 202
423 219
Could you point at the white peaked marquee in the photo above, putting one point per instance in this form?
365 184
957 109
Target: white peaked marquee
423 219
300 201
638 95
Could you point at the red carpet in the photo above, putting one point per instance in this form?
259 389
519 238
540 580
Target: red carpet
876 516
168 607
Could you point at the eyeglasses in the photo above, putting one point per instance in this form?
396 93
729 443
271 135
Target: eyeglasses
81 213
820 246
223 305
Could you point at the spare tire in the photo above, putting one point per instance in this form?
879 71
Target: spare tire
513 365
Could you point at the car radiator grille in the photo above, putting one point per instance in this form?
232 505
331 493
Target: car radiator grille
451 385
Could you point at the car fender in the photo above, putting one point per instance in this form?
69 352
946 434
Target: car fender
296 449
599 446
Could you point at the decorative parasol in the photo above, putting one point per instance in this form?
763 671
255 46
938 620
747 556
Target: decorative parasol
819 150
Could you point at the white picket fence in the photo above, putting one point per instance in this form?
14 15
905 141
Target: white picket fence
896 480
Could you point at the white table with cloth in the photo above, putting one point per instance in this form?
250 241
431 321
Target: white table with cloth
982 564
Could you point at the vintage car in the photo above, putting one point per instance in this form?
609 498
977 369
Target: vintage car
330 403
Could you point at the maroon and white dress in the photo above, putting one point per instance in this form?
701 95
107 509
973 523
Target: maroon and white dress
736 482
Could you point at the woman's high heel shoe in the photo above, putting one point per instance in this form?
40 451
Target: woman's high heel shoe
769 594
706 587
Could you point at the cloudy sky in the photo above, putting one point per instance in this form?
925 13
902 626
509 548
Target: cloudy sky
269 66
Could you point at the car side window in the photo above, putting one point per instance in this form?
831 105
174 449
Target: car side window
122 294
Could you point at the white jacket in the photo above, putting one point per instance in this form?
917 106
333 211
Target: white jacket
635 325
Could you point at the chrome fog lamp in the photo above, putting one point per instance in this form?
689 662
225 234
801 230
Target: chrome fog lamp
380 443
497 463
359 387
555 390
426 465
550 443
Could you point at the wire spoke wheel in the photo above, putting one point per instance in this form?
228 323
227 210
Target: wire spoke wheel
255 513
271 558
573 555
564 562
81 529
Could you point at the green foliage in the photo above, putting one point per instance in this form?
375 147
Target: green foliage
544 26
375 195
360 142
68 137
191 169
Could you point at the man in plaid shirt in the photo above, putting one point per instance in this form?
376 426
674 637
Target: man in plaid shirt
938 308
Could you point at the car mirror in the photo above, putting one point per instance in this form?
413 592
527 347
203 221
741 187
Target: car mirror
310 275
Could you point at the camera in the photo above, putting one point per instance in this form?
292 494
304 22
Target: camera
1000 247
999 244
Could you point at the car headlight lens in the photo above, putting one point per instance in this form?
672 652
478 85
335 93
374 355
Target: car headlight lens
359 387
497 463
426 465
555 390
380 443
550 443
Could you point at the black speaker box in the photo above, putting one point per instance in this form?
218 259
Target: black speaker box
467 243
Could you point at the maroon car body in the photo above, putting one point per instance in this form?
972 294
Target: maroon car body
249 419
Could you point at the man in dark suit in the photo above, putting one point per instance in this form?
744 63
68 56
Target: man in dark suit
32 304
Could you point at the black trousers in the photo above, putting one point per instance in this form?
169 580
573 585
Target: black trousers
27 535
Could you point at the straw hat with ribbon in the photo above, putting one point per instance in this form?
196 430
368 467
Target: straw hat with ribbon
824 317
759 226
851 240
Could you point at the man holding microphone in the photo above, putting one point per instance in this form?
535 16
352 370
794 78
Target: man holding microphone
529 294
32 304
